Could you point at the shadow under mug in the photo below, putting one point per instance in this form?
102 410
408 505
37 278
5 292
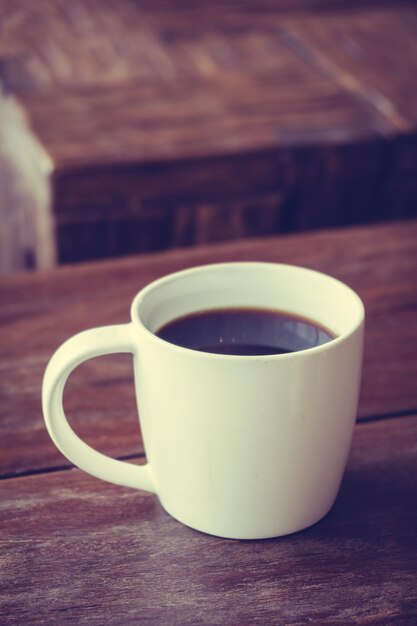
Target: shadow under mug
241 447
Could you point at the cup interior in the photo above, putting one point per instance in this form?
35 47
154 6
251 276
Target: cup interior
295 290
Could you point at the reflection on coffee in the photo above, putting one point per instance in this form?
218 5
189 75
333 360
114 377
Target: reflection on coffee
245 332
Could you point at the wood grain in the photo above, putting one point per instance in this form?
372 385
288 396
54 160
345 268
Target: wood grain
76 550
38 312
238 117
320 92
160 205
367 56
181 91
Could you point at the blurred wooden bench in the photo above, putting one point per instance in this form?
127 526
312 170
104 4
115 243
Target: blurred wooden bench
127 126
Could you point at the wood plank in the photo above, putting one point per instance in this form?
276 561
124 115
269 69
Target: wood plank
110 211
177 94
79 551
37 41
38 312
299 85
372 53
197 117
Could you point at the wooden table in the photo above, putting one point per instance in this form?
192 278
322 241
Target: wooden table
128 126
75 550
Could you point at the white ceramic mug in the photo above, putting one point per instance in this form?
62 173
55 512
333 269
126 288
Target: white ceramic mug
237 446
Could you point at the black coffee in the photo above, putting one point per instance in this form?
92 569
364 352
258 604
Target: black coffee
245 331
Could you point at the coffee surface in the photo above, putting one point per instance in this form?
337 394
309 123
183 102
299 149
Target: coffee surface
245 332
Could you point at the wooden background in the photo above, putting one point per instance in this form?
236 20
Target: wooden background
139 125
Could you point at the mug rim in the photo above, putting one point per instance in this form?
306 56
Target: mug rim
333 343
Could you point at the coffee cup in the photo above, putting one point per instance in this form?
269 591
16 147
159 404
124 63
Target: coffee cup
238 446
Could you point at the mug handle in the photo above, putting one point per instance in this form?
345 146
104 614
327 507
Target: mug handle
83 346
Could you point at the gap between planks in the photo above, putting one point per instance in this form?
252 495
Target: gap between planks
137 456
